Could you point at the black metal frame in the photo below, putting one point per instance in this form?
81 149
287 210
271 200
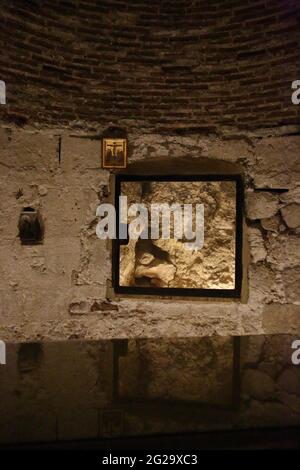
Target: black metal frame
171 291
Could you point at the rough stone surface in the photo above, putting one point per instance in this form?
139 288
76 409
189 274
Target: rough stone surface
291 196
291 215
58 290
173 263
261 205
285 318
291 283
284 251
265 285
271 223
276 164
258 250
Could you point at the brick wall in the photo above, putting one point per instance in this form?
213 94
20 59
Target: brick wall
167 65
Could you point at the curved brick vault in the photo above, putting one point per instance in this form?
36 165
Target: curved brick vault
168 65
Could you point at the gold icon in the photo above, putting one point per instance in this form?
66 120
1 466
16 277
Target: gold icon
114 153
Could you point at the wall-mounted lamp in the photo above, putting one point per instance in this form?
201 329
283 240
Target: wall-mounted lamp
31 227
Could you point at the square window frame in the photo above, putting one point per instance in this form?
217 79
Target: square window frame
234 293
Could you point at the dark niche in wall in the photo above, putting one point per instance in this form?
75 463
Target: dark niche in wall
208 265
31 227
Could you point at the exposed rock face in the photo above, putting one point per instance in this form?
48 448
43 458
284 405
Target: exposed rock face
291 282
160 275
293 195
271 223
284 251
256 241
168 262
277 163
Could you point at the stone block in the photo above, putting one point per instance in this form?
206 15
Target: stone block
284 251
257 246
261 205
277 163
291 283
291 215
280 318
271 224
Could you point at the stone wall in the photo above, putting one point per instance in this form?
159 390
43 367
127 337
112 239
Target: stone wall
60 289
193 82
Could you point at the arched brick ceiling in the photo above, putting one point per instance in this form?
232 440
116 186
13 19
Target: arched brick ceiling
169 65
